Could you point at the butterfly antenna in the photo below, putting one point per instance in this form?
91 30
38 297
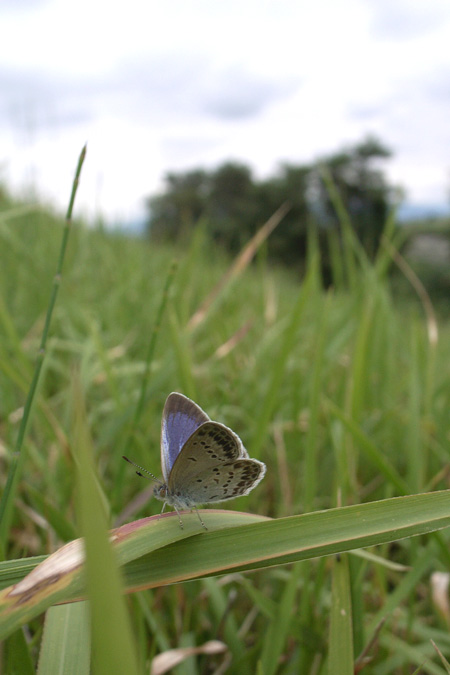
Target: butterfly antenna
141 469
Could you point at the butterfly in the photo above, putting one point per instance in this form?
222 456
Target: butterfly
202 461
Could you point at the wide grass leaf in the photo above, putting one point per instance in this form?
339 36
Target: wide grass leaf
155 551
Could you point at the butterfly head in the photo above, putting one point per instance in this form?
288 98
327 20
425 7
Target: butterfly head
160 491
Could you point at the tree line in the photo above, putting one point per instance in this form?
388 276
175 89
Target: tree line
232 204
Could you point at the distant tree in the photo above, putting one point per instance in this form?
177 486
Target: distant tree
181 205
362 188
288 242
232 208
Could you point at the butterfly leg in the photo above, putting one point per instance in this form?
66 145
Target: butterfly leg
178 514
179 517
162 510
199 517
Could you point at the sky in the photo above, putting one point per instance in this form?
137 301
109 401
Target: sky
174 85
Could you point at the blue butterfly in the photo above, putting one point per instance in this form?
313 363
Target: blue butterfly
202 461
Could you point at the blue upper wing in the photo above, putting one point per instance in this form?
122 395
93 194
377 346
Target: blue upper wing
181 417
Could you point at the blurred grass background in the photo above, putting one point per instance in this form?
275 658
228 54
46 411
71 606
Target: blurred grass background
322 385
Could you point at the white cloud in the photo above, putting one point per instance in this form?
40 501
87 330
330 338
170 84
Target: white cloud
167 86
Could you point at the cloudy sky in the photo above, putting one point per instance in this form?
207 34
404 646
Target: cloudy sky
178 84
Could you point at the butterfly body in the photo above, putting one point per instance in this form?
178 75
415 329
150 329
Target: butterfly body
202 461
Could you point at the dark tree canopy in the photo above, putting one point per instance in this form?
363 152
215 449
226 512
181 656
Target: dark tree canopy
234 205
362 187
182 204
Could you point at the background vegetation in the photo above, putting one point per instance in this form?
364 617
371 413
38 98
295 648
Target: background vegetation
325 387
233 203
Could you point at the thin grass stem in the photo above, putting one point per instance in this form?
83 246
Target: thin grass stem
152 344
6 502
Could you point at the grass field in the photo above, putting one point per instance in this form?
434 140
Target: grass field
344 394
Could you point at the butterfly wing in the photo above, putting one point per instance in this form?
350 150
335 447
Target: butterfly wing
240 477
181 417
213 466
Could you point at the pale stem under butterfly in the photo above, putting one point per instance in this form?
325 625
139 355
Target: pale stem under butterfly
153 477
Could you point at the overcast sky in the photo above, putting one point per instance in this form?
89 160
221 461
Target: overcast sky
179 84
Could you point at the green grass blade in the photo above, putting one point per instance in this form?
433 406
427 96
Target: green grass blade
112 644
340 656
370 451
17 655
351 248
65 646
424 563
279 366
279 628
312 454
152 344
219 603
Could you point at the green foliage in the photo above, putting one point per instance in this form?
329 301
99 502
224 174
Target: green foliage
233 204
427 249
170 218
363 190
343 395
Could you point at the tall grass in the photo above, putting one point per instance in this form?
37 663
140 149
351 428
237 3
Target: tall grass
340 392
